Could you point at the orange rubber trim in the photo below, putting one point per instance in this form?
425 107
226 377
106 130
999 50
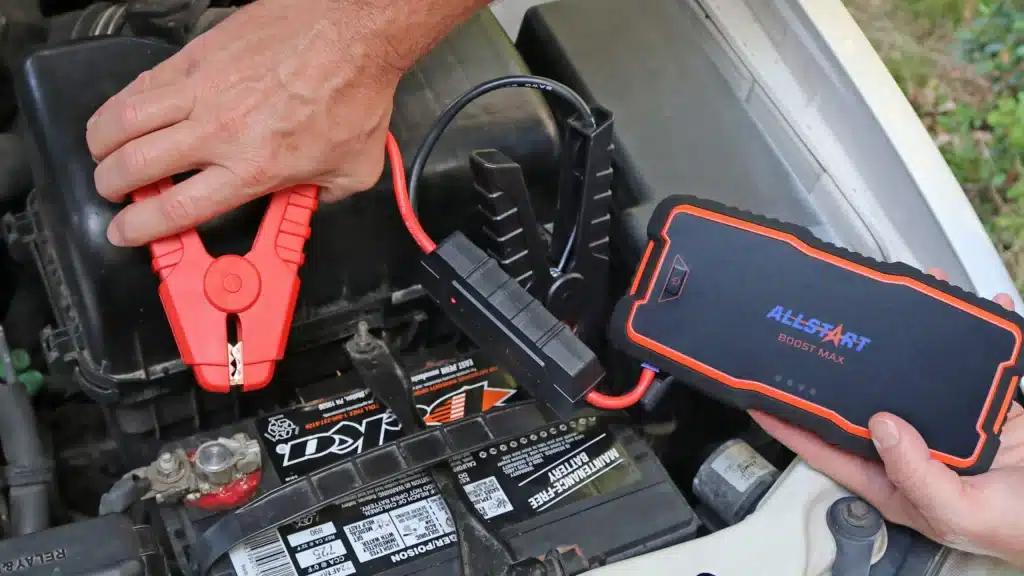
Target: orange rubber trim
643 264
795 401
1001 419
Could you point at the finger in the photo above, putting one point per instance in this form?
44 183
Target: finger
1004 300
126 119
171 72
852 471
206 195
175 69
148 159
939 273
1011 441
931 487
865 478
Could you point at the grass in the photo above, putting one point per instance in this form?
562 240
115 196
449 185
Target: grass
961 64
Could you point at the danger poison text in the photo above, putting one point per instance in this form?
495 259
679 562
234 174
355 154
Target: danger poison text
571 474
414 551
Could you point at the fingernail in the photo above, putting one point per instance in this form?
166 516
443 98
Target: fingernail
91 121
884 433
114 234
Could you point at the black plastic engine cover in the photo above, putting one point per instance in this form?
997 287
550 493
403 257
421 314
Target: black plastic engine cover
105 546
111 324
680 127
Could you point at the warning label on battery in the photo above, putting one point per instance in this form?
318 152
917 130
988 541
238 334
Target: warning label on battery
307 438
407 519
566 463
448 391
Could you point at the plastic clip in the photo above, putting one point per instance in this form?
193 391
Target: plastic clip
568 271
255 293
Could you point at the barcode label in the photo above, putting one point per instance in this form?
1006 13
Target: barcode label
262 555
488 497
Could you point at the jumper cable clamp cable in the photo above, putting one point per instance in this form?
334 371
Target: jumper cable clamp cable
252 296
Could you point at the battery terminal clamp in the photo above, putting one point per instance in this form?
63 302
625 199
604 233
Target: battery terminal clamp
253 296
218 475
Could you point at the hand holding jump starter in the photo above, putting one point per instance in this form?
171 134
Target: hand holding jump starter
763 315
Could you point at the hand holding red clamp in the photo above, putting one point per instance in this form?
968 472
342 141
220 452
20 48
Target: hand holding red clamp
257 292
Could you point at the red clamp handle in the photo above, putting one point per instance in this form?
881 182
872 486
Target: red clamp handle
257 292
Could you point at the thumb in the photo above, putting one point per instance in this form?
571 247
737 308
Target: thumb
928 485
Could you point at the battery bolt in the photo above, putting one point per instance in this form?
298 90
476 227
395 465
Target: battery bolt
363 343
169 475
857 513
166 464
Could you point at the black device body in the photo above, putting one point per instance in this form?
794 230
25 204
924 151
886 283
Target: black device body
763 315
500 316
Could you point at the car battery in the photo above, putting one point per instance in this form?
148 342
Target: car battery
588 482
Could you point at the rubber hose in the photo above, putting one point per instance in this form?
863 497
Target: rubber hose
29 501
15 173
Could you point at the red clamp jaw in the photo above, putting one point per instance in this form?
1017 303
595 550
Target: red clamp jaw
255 293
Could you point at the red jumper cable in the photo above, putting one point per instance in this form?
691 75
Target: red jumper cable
412 223
256 293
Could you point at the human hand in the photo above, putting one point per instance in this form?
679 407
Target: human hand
277 94
273 96
982 514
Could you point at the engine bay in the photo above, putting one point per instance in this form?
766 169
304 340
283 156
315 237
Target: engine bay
117 462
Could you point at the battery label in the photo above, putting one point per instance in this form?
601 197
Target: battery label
307 438
406 519
467 386
310 437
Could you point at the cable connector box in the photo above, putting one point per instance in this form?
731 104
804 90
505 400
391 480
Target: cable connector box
515 329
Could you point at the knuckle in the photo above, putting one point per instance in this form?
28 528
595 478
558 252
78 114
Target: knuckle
147 79
177 210
96 145
229 127
255 176
129 114
135 158
368 173
366 180
143 81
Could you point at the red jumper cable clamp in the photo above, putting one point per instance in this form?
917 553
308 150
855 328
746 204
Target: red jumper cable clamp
255 293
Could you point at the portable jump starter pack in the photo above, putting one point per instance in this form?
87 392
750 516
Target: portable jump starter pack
762 315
